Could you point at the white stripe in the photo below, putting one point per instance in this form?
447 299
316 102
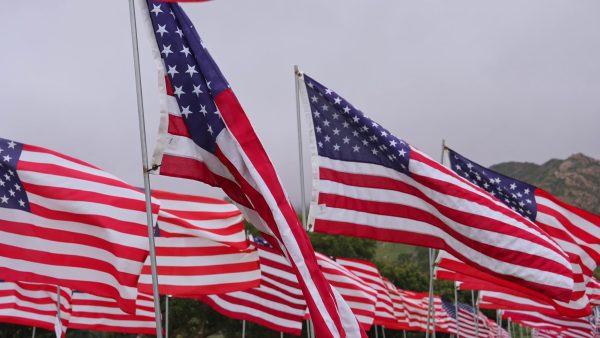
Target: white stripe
256 313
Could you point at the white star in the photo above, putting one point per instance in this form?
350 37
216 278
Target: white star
167 50
197 90
328 91
497 180
401 152
1 183
6 158
310 84
317 114
217 112
486 185
320 144
179 32
346 139
191 70
11 145
513 186
335 116
528 201
526 191
318 129
458 167
337 100
210 129
17 186
172 71
355 133
314 99
346 124
186 111
336 147
355 119
336 131
346 109
203 110
374 124
326 123
384 133
162 30
6 177
179 91
185 51
1 150
393 143
469 165
4 199
519 194
374 151
355 148
325 107
11 192
156 9
327 138
365 142
21 203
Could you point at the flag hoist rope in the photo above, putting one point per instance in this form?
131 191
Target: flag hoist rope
143 144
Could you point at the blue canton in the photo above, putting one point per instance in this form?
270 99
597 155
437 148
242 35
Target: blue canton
260 241
345 133
466 307
193 74
450 309
517 195
12 192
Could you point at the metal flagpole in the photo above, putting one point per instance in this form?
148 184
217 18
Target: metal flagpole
58 321
297 75
280 334
383 331
456 309
508 328
475 314
498 322
376 334
33 333
167 316
403 333
520 331
243 329
142 127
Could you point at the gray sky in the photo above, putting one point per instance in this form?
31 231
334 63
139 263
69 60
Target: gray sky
500 81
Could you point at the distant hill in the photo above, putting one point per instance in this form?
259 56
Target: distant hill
575 180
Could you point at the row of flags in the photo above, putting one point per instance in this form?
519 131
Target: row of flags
65 222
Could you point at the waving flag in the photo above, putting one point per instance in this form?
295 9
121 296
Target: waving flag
397 304
206 136
277 303
65 222
372 184
95 313
571 327
369 273
576 231
33 304
190 261
472 324
510 301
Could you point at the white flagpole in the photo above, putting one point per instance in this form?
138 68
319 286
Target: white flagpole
280 334
475 314
297 76
142 127
33 333
509 328
243 329
58 322
383 331
456 309
376 334
403 333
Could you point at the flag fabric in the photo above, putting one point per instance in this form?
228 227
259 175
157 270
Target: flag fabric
32 304
575 230
572 327
205 135
369 183
510 301
96 313
190 261
65 222
360 295
593 291
277 303
397 304
471 323
416 305
369 273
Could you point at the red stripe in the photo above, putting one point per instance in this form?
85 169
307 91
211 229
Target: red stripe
202 270
169 197
178 127
182 222
36 149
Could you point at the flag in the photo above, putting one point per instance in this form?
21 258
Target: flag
359 295
471 323
190 261
397 304
95 313
575 230
369 273
32 304
65 222
205 135
372 184
571 327
510 301
277 303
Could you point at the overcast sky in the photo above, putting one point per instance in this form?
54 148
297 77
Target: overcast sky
500 81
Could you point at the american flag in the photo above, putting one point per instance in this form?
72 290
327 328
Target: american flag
33 304
416 305
575 230
509 300
206 136
190 261
65 222
571 327
471 323
373 184
359 294
369 273
397 305
95 313
277 303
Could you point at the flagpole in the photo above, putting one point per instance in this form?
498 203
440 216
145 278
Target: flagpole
475 314
456 309
498 322
508 327
383 331
376 334
58 311
297 75
33 332
166 316
243 329
143 144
